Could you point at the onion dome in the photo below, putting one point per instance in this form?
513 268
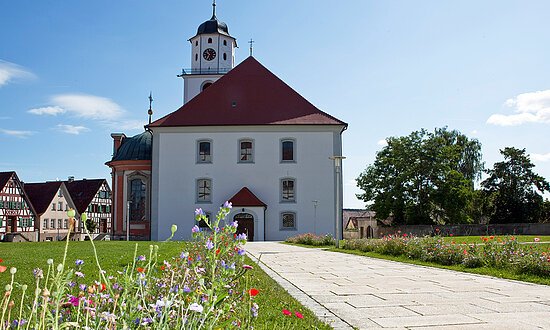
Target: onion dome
213 25
135 148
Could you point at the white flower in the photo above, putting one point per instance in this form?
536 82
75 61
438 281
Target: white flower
196 307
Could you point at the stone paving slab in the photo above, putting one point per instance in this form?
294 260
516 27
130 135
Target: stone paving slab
350 291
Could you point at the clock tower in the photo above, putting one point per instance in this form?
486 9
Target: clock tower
212 56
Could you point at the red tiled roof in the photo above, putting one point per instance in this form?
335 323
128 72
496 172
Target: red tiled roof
41 194
248 95
245 197
4 178
83 192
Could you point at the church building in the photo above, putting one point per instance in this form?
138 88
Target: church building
243 135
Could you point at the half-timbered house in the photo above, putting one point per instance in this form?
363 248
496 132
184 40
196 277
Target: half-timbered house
17 216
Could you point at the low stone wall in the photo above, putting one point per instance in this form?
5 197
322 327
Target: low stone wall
469 230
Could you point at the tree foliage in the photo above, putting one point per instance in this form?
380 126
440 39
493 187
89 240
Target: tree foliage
515 190
425 177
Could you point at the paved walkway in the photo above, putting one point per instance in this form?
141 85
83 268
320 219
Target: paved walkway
353 291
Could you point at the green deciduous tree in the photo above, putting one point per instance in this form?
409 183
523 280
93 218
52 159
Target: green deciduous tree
515 189
424 177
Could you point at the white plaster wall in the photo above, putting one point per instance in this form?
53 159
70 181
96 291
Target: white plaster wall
200 43
175 172
193 85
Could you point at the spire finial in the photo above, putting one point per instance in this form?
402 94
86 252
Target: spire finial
150 111
213 8
251 42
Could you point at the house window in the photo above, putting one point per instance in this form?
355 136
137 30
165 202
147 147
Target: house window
59 223
288 221
53 206
60 193
246 153
209 40
45 224
287 151
66 223
138 199
60 206
52 224
288 190
204 190
204 152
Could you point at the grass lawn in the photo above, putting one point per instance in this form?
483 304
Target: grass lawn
115 255
501 273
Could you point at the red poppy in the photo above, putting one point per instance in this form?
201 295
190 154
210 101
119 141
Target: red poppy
492 237
3 269
217 251
162 267
103 287
1 260
140 269
451 235
253 292
286 312
298 315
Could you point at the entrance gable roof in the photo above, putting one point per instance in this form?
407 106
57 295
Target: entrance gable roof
245 197
249 94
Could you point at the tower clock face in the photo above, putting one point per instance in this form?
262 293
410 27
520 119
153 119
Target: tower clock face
209 54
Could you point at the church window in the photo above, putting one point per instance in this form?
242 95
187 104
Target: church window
224 56
288 221
209 40
204 190
204 152
288 190
225 43
137 199
287 151
246 154
206 85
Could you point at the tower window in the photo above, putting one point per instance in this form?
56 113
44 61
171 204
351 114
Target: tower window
209 40
196 57
224 56
196 42
225 42
206 85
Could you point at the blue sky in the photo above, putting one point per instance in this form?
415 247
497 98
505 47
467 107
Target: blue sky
72 72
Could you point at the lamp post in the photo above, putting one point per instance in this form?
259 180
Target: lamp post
128 220
315 202
338 170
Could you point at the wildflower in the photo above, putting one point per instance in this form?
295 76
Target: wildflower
253 292
209 245
79 262
173 229
195 229
254 309
141 258
241 237
248 267
82 287
241 252
79 274
536 239
186 289
1 260
140 270
196 308
234 224
298 315
227 205
199 212
50 261
13 270
163 267
3 269
286 312
73 300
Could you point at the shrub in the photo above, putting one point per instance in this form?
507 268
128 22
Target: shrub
312 239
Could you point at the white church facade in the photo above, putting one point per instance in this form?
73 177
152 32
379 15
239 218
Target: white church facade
244 136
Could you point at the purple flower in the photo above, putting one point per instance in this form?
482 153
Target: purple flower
79 274
195 229
186 289
141 258
227 205
82 287
209 245
241 237
241 252
79 262
234 224
199 212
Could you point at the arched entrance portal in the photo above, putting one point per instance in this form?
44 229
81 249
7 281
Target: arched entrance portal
245 224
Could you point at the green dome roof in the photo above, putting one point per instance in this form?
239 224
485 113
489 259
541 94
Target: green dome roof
135 148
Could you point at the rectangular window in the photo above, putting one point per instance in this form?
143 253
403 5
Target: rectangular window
59 223
60 206
204 152
204 190
52 224
53 206
288 221
288 190
246 151
66 223
287 151
60 193
45 224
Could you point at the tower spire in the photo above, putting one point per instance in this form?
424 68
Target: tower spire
150 111
213 8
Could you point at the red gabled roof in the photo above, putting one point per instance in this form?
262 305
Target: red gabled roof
249 94
245 197
41 194
4 178
83 192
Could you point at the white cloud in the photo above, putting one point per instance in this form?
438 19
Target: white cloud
382 142
128 124
71 129
52 111
17 134
88 106
11 71
541 157
533 107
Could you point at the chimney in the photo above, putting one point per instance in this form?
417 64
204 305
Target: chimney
117 141
70 179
